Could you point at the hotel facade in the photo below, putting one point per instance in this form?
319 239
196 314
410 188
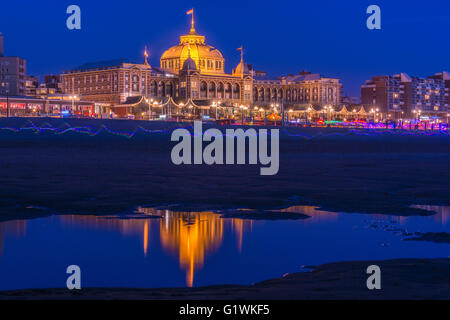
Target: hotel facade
194 72
405 96
13 72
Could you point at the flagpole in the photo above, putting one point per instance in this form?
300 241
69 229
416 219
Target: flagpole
191 12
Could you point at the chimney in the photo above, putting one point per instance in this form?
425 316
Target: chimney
2 49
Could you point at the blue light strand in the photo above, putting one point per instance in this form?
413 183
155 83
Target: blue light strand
90 131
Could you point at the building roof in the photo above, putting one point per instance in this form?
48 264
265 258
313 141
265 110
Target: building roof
267 78
303 77
102 64
189 64
242 69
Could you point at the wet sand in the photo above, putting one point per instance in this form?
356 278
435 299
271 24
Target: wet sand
412 279
336 169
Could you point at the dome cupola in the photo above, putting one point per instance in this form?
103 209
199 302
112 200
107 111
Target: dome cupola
242 68
189 63
207 59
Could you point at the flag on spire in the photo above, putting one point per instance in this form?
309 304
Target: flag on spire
191 12
241 49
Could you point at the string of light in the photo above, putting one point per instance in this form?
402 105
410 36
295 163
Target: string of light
66 128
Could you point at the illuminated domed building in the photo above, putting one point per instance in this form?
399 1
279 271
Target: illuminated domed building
207 59
193 73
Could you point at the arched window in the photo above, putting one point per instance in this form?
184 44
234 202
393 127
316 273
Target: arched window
261 94
161 89
274 95
211 90
169 89
236 91
203 89
228 91
220 91
267 95
153 89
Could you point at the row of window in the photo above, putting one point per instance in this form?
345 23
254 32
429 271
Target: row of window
211 65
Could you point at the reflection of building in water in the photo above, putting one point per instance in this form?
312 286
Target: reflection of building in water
190 236
126 227
240 226
193 236
313 212
17 228
442 213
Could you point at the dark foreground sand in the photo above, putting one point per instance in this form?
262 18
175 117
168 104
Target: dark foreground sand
337 169
400 279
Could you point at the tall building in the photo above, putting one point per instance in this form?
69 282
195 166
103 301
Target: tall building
51 87
12 73
402 94
444 76
54 82
194 70
2 46
31 86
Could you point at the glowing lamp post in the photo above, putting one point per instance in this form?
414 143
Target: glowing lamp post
261 111
150 109
289 115
155 105
324 115
73 103
307 112
215 107
242 113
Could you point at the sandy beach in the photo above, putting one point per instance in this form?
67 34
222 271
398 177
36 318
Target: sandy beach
337 169
410 279
105 171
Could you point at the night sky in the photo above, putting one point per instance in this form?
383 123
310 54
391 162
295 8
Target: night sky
280 37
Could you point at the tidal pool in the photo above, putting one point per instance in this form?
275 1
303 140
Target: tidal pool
201 248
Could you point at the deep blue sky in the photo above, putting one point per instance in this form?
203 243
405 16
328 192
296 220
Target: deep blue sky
281 37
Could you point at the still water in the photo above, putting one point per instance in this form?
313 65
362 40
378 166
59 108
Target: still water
201 248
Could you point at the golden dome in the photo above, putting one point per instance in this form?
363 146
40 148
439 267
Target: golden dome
207 58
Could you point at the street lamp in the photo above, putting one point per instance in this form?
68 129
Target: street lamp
261 110
73 103
242 114
4 85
